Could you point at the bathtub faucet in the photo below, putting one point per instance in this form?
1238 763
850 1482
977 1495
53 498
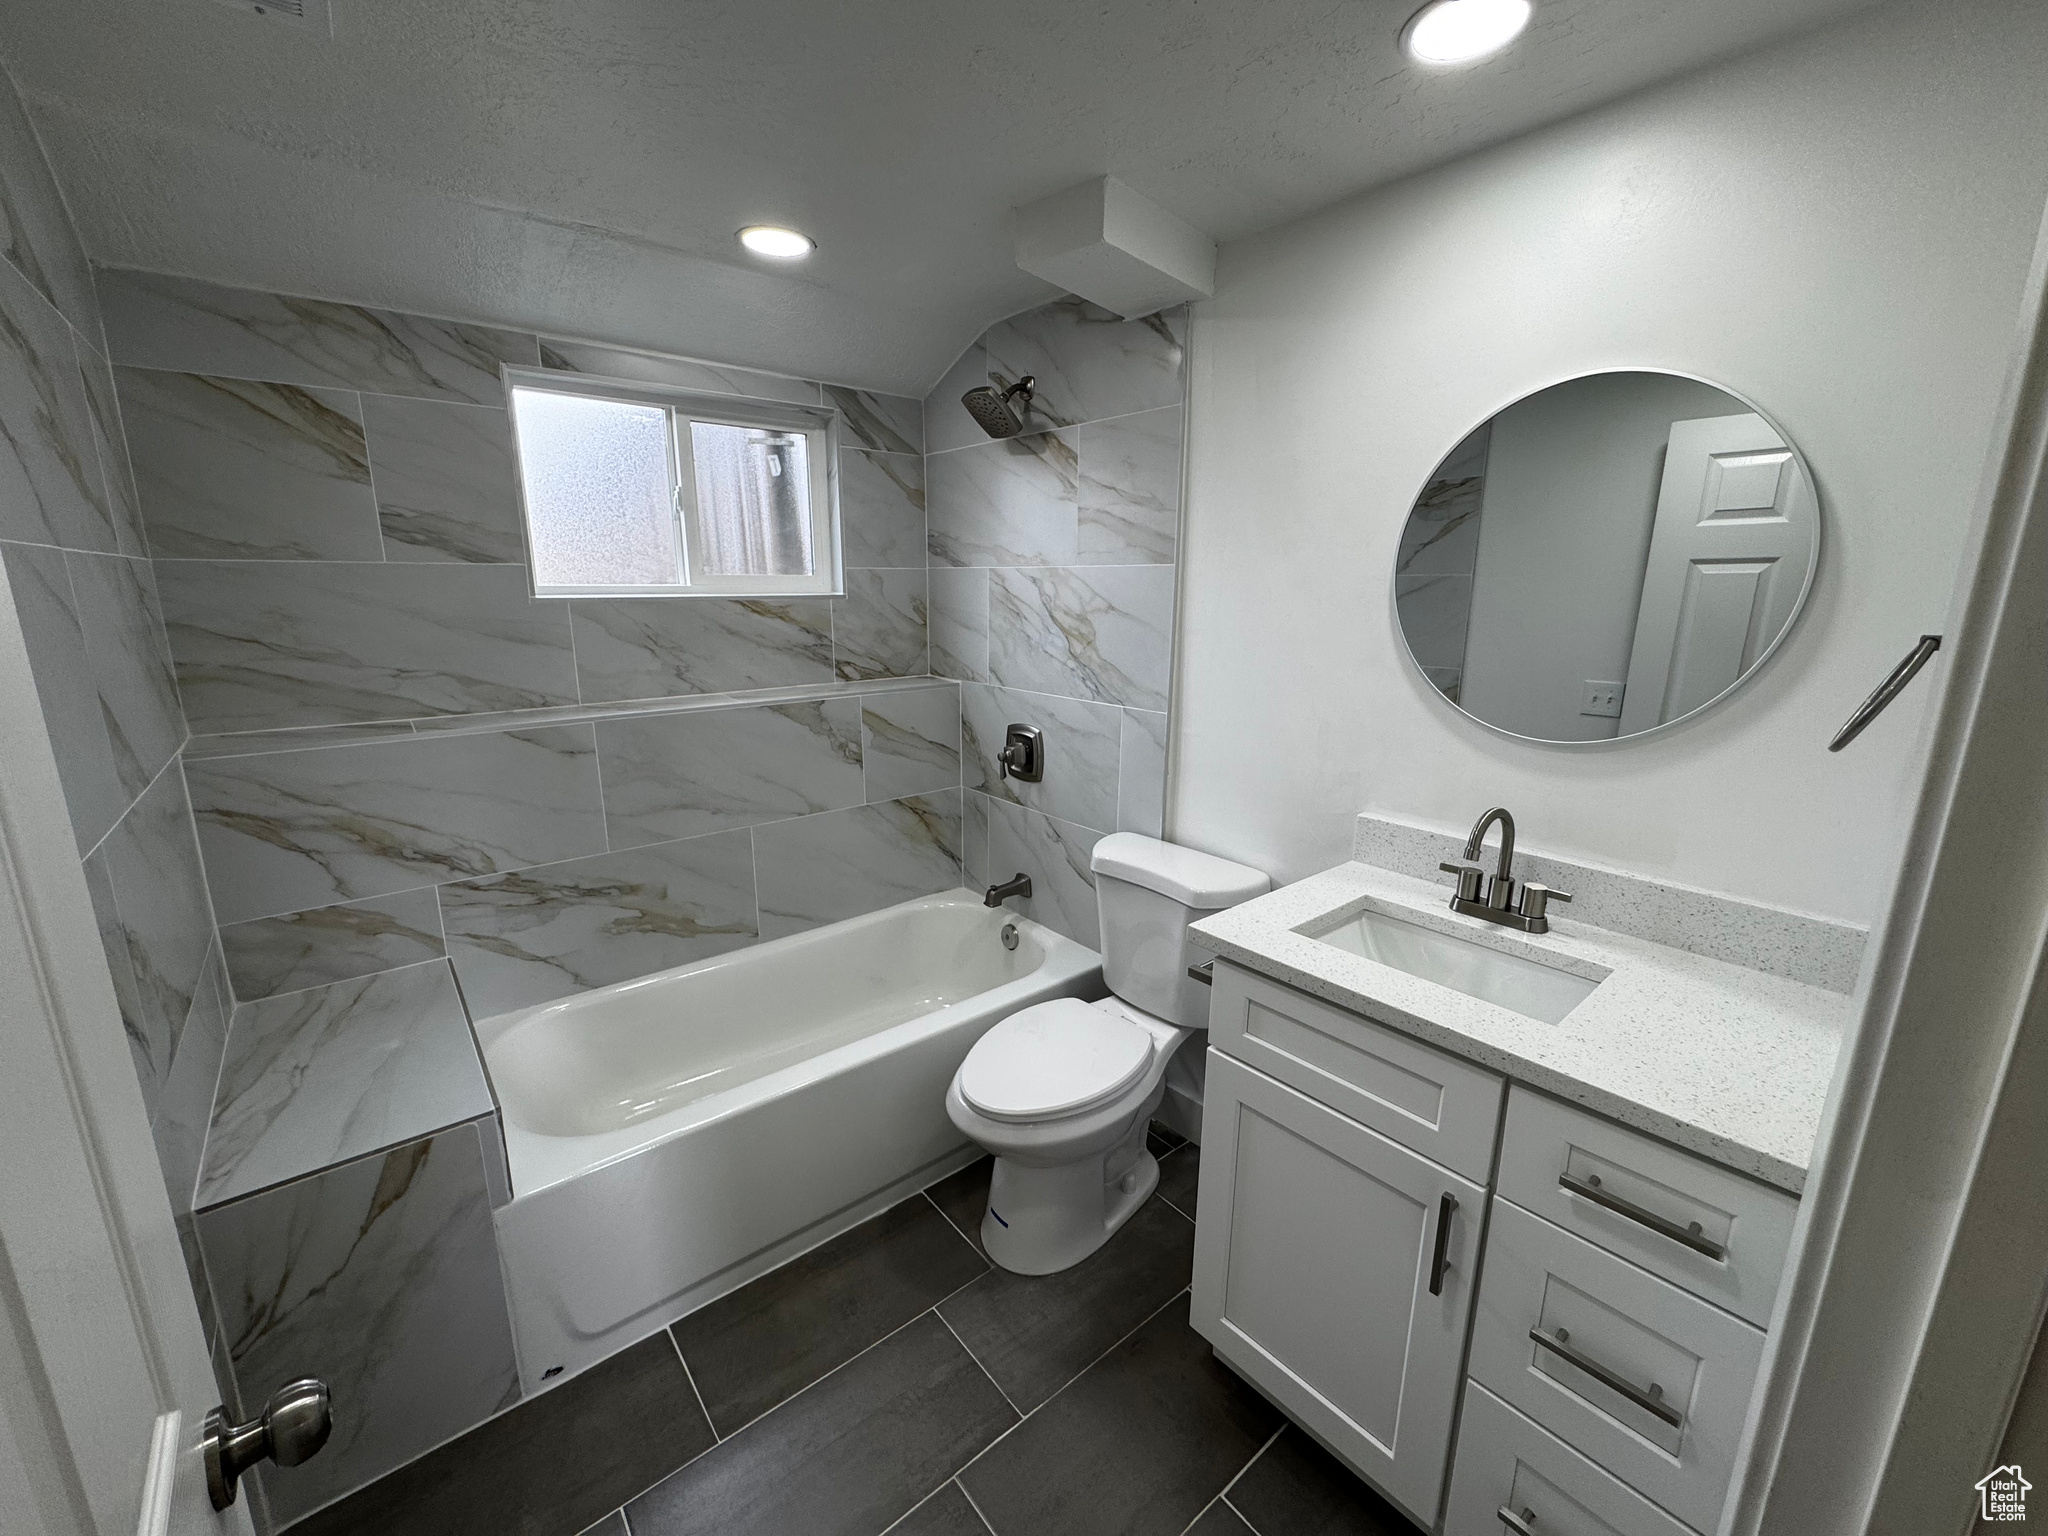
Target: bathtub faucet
1016 885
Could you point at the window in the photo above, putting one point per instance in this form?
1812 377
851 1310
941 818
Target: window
633 490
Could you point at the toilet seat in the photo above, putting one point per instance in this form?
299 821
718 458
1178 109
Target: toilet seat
1052 1061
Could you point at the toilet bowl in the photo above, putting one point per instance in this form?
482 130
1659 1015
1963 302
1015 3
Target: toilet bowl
1062 1092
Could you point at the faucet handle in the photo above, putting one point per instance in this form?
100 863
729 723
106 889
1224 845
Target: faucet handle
1469 876
1536 897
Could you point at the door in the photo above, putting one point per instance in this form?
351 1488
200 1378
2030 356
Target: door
1730 552
1316 1276
104 1379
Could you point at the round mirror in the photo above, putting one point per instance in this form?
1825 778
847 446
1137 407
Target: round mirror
1606 556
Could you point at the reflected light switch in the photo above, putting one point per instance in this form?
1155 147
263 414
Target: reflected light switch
1600 698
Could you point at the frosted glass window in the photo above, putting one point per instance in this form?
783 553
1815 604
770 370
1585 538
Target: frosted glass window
633 489
753 500
600 491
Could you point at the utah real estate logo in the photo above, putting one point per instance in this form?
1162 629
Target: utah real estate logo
2004 1494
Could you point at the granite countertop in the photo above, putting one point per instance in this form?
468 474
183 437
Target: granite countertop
1730 1063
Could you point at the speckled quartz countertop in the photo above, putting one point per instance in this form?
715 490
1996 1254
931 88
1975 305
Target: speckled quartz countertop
1730 1063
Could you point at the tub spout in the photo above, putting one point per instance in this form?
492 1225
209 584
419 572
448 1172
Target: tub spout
1016 885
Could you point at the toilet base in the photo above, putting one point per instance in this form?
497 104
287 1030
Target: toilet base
1043 1220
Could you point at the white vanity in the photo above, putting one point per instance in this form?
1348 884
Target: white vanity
1499 1217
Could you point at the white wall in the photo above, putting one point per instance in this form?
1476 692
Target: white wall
1837 230
1564 535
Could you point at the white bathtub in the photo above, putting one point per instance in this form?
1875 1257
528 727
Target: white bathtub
672 1137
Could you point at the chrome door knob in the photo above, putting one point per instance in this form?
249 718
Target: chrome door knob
294 1424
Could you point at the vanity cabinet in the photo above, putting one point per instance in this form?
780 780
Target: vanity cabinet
1428 1100
1616 1318
1646 1379
1708 1231
1515 1476
1334 1267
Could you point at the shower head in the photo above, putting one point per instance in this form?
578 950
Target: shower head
993 412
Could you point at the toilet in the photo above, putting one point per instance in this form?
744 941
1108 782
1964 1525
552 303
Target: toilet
1061 1092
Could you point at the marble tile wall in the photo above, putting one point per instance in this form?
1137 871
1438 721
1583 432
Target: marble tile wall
78 569
290 525
1053 560
1437 561
554 858
347 1157
380 1276
329 492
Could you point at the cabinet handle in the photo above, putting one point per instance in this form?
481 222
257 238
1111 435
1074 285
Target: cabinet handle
1523 1524
1440 1261
1589 1188
1651 1401
1205 973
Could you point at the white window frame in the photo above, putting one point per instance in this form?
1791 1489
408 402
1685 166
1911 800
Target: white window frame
819 424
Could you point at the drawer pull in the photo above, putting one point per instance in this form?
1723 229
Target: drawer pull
1523 1524
1440 1260
1205 973
1589 1188
1651 1401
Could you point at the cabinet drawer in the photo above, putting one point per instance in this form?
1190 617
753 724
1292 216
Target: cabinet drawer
1627 1352
1508 1462
1444 1108
1316 1247
1638 1197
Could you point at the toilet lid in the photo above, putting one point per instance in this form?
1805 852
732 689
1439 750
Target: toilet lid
1053 1060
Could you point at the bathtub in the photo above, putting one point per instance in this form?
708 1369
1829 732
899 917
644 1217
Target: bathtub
672 1137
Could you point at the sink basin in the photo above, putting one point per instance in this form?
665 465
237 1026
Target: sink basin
1527 987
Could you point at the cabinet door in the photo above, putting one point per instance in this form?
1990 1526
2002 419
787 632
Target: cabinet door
1315 1248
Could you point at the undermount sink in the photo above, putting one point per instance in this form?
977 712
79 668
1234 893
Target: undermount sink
1527 987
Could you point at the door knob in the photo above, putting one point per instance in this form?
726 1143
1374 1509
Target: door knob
294 1425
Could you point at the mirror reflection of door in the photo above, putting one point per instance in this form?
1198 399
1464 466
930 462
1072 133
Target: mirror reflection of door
1728 556
1604 556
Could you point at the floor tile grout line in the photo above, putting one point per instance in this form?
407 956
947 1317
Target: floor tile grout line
1176 1296
933 1309
807 1386
1222 1494
999 1439
951 1482
1226 1504
691 1377
978 1365
973 1506
949 1221
757 1418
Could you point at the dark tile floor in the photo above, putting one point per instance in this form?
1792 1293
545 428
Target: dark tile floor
893 1380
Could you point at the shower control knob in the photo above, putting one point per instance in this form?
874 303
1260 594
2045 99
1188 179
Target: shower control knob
1023 754
294 1424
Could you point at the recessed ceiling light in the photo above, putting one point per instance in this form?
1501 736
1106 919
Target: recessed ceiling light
773 240
1457 31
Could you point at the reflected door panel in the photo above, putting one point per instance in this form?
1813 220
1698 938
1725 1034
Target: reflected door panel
1729 553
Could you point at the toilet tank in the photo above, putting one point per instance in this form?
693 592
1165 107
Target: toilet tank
1148 892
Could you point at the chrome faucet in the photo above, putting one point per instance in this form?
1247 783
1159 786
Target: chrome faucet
1498 904
1500 890
1016 885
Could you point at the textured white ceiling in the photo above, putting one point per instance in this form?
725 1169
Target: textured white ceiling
581 165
